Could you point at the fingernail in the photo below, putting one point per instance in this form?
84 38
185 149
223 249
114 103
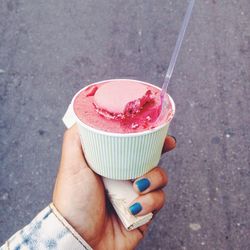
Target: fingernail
142 184
173 138
135 208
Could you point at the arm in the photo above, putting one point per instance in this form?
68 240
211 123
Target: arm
81 211
48 230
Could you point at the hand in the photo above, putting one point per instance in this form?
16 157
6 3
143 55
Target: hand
79 196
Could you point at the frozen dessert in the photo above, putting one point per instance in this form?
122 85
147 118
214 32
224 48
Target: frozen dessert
123 99
119 106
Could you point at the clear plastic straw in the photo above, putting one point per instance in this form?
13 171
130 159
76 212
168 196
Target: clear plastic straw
176 51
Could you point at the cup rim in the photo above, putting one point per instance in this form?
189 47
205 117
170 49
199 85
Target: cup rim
99 131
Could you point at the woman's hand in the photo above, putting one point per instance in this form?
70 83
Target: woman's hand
80 197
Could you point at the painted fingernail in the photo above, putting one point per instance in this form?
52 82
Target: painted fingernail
135 208
142 184
173 138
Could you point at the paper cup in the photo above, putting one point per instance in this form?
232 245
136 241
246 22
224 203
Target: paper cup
122 156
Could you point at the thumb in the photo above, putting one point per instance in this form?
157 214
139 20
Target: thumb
72 154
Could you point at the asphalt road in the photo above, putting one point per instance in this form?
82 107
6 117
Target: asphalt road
50 49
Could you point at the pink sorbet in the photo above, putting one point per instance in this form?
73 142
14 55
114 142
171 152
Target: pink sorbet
119 106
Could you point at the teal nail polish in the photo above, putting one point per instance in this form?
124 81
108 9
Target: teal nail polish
143 184
135 208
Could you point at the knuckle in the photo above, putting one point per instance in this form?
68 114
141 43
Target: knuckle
151 199
162 199
162 176
163 195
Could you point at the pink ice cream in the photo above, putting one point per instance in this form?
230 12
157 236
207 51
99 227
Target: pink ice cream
123 100
119 106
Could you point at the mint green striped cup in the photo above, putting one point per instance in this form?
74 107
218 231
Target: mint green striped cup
122 156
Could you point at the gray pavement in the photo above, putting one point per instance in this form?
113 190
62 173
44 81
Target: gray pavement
50 49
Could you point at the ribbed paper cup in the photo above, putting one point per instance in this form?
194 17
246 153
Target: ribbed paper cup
122 156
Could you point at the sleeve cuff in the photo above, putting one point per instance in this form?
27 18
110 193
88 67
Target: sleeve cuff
48 230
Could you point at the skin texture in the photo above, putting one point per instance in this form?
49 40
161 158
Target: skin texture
79 196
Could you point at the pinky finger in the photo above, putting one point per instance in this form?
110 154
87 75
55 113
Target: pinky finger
143 229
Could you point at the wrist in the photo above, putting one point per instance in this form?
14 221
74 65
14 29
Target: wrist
76 232
77 222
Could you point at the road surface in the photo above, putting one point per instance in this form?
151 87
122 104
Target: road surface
50 49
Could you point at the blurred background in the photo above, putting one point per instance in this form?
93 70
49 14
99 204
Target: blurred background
51 49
